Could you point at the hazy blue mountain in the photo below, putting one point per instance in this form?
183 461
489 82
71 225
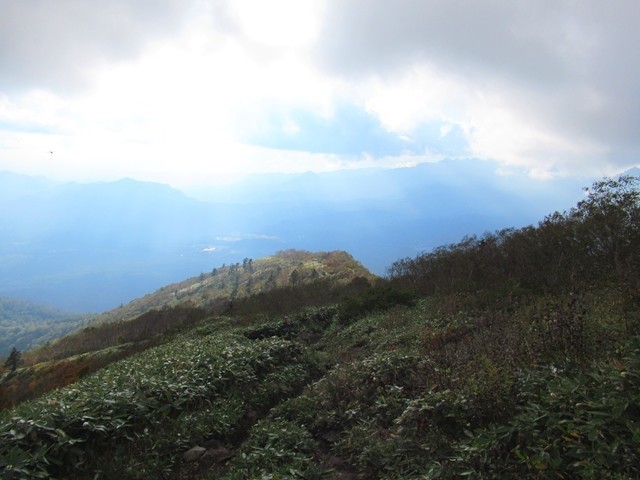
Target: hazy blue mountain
14 186
90 247
381 215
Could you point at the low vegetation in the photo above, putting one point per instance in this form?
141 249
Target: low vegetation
514 355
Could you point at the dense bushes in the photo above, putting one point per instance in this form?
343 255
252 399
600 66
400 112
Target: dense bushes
569 425
477 415
378 298
592 244
277 449
75 429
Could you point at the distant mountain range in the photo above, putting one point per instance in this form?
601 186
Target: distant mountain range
90 247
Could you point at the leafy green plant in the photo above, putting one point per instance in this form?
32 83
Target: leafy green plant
277 449
568 424
139 394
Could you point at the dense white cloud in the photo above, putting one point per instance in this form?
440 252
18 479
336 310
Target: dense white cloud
53 44
538 84
187 91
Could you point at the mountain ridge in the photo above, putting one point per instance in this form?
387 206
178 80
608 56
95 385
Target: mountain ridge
227 283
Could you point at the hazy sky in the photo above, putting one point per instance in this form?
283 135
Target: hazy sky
193 91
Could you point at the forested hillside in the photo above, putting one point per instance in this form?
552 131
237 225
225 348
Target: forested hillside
592 245
25 325
512 355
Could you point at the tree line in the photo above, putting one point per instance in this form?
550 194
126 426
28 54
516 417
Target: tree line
593 244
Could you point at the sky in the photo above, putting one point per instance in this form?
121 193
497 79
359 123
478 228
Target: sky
191 92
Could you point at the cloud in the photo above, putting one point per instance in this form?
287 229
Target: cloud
349 130
566 73
51 44
193 90
528 42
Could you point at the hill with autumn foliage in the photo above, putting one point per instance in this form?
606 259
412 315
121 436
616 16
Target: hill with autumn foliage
284 282
218 289
511 355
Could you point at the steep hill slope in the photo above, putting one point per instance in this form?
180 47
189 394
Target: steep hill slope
434 390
